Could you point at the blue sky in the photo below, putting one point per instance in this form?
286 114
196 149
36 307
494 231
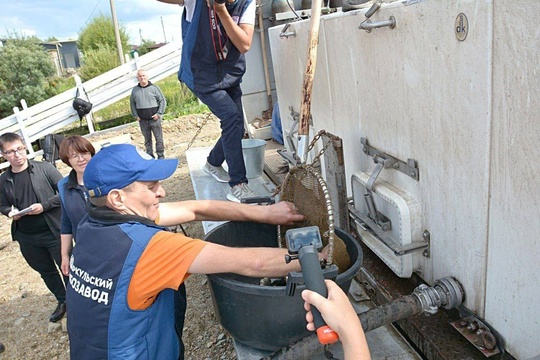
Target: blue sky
64 19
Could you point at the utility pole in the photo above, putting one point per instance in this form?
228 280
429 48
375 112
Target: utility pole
117 34
163 27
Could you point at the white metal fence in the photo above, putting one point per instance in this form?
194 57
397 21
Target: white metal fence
51 115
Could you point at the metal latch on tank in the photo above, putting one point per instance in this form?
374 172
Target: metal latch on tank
373 219
383 161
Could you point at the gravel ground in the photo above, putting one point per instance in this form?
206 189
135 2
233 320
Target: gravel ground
26 303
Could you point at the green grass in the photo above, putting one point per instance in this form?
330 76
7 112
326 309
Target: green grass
180 101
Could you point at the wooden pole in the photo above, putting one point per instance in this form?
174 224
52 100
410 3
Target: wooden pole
305 106
264 56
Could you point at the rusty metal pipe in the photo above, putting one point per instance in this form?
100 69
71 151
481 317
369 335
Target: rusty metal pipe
395 310
446 293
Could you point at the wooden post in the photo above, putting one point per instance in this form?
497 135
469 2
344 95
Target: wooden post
305 106
21 116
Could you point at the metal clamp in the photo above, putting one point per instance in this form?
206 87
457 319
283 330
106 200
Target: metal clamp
379 219
284 33
382 161
364 221
368 25
408 168
292 157
479 334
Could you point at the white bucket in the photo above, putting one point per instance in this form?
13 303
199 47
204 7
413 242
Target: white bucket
253 150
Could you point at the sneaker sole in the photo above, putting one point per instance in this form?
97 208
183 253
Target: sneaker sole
232 198
218 179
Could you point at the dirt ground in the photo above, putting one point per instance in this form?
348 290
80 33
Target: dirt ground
26 304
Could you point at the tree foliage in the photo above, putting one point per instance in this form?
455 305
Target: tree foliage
97 61
144 48
100 32
24 69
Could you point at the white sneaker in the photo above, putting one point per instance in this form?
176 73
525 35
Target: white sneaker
217 172
239 192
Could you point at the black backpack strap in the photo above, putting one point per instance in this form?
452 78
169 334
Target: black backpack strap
85 93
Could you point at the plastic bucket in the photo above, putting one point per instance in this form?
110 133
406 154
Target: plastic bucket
253 150
264 317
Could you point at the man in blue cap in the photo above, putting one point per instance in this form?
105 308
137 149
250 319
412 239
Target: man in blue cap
126 265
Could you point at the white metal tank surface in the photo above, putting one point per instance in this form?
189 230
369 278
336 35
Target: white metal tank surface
452 86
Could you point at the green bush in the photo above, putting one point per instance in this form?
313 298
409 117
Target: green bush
98 61
144 47
100 32
180 100
24 69
57 85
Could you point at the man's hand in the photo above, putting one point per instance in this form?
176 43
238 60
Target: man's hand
215 3
65 265
14 210
283 213
339 314
155 117
36 209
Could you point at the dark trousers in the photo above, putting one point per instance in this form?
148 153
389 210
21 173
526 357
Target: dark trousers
149 127
227 106
41 252
180 304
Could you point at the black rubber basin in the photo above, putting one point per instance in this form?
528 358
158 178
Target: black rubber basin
264 317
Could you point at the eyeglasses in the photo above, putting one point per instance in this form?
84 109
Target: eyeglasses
80 156
20 150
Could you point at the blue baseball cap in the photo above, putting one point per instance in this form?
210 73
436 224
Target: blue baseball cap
117 166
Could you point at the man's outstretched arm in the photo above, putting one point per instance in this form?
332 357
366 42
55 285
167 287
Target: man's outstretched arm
216 210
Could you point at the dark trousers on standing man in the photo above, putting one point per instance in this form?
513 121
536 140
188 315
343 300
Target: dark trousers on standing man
180 305
41 251
149 127
226 104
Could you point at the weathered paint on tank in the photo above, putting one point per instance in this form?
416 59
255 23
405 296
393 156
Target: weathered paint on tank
465 111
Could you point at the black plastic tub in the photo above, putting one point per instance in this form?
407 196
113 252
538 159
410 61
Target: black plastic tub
264 317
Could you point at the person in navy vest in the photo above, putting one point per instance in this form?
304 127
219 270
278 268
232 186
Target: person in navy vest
216 34
126 264
75 151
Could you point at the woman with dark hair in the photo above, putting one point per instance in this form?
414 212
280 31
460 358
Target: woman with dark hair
75 151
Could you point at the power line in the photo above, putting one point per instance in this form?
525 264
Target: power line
92 13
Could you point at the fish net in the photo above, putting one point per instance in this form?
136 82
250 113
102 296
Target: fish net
307 190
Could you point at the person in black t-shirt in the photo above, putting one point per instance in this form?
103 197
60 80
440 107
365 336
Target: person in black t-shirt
33 185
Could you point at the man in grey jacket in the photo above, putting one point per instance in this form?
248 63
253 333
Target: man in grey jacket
147 106
32 186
